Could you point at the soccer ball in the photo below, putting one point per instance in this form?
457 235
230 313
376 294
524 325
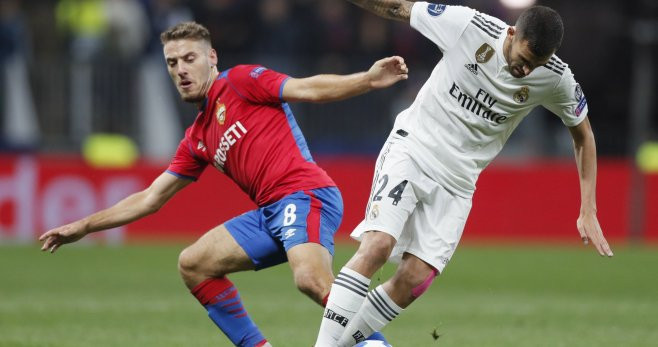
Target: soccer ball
372 343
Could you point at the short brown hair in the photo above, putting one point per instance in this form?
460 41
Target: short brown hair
543 29
185 30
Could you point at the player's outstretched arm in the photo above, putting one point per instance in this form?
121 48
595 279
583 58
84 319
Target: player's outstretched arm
588 223
125 211
325 88
391 9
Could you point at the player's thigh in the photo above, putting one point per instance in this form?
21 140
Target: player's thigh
309 216
308 235
436 228
216 253
268 233
251 233
306 218
397 186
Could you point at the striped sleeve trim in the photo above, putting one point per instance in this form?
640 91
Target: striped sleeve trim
489 22
556 65
489 27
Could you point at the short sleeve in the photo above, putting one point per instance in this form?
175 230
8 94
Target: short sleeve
185 164
257 83
568 100
440 23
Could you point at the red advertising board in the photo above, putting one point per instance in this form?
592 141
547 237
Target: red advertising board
532 201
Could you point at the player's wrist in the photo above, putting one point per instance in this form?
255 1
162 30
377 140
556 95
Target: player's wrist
368 79
84 225
588 210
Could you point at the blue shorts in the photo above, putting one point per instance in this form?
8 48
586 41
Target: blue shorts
267 233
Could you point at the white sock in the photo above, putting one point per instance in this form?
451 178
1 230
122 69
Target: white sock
373 315
347 294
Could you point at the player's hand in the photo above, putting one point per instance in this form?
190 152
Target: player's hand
590 231
386 72
55 238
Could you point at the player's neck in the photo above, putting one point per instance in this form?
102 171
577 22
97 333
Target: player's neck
214 73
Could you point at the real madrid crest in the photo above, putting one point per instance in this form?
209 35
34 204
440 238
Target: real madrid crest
484 53
374 211
220 112
521 95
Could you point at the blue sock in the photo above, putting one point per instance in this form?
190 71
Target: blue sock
222 300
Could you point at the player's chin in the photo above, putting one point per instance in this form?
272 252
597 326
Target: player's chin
192 98
517 74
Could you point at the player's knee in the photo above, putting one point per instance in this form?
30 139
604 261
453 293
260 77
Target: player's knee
311 284
193 262
375 250
314 282
188 262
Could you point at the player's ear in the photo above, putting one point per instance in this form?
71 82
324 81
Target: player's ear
511 31
213 59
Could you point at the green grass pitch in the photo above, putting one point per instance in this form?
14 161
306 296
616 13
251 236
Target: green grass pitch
518 295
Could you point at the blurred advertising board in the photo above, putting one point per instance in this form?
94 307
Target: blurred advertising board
523 202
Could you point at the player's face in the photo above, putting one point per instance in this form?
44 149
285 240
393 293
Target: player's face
520 60
191 65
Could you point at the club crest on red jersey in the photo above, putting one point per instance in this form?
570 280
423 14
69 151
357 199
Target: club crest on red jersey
220 112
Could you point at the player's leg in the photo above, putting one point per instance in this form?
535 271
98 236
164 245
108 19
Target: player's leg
435 229
311 267
213 255
411 279
305 224
310 247
204 266
392 201
373 252
350 287
385 302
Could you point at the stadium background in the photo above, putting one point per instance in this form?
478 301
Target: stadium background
74 71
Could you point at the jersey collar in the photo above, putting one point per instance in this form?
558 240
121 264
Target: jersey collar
500 55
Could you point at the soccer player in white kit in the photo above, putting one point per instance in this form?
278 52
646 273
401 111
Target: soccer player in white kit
490 77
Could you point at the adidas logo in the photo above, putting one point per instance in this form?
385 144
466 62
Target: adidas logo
472 68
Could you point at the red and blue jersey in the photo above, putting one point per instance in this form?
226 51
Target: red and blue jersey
247 131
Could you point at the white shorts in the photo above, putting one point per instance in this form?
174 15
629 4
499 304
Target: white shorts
425 219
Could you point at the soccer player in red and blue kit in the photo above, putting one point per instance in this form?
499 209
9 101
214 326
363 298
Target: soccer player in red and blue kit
246 130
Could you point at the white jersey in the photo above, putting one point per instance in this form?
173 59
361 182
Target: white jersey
469 106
